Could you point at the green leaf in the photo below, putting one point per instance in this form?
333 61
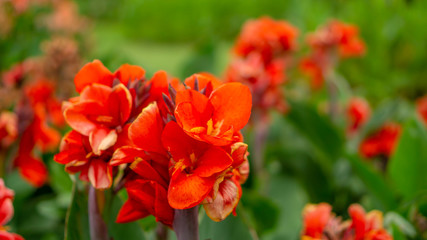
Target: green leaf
318 130
264 213
231 228
397 221
77 220
122 231
407 167
374 182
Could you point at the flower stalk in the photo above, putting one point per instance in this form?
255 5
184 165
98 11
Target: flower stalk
186 224
98 228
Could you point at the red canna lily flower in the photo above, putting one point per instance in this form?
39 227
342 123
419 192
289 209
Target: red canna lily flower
195 167
96 72
14 76
6 212
266 36
264 80
358 112
8 128
340 36
148 160
224 199
217 118
77 155
41 93
382 142
365 226
6 206
421 105
314 71
316 218
100 113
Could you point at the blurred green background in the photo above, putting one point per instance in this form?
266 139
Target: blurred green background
304 164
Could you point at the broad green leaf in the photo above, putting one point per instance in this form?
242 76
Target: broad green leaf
231 228
263 212
122 231
407 166
291 198
77 220
374 182
318 130
395 220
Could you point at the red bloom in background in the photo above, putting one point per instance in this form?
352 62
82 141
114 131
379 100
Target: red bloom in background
421 105
77 155
365 226
214 119
316 217
14 76
358 112
314 71
382 142
41 93
8 128
6 212
263 79
6 206
266 36
340 36
320 223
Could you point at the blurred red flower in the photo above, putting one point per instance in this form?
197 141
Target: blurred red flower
382 142
358 112
340 36
365 226
266 36
6 212
421 105
8 128
315 218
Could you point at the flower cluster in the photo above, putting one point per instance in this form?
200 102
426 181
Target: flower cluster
382 142
321 223
329 43
172 145
6 212
261 53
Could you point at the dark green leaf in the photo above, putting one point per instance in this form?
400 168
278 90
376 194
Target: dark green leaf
407 167
374 182
77 221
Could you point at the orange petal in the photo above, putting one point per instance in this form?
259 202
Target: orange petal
214 160
130 213
203 79
128 72
95 92
6 210
145 132
79 116
94 72
179 144
100 174
188 190
32 169
232 103
101 139
126 154
120 104
225 201
146 171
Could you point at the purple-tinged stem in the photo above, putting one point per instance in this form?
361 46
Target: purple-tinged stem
98 228
186 224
